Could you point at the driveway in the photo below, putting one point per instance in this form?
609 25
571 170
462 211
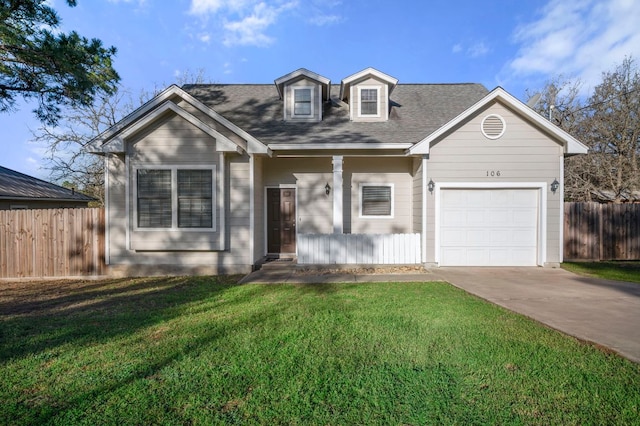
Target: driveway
600 311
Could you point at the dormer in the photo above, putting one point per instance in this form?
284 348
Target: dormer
303 93
367 93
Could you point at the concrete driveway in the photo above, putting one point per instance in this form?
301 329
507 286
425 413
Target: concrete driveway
600 311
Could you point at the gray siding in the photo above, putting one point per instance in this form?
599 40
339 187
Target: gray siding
522 154
173 141
383 98
416 189
391 170
316 100
309 175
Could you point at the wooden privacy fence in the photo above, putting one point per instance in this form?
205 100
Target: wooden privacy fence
594 231
51 242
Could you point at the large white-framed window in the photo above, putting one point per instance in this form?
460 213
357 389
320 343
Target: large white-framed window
369 101
174 198
376 200
302 102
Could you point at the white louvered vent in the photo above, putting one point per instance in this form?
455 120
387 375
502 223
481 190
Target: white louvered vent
493 126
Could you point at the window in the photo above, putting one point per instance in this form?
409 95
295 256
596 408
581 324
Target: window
194 199
154 198
369 101
175 198
376 200
302 102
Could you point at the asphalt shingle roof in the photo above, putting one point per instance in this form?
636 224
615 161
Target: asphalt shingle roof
15 185
417 111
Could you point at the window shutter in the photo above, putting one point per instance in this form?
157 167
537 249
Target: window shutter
154 198
195 205
376 201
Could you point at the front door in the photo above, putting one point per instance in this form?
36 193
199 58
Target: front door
281 220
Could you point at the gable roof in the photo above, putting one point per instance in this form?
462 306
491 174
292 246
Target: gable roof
18 186
416 110
303 72
392 82
571 144
101 143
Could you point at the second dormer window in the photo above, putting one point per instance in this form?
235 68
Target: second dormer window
369 102
302 102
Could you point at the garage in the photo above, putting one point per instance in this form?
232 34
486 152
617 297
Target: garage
489 226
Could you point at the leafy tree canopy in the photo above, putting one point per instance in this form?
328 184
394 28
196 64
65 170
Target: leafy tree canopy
37 62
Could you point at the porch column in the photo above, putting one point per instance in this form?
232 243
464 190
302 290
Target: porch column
338 222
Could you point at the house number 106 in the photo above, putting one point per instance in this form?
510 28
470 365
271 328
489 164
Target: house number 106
493 173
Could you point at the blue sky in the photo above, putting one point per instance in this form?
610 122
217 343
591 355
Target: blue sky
516 44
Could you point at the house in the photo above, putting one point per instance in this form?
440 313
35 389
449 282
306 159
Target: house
215 178
20 191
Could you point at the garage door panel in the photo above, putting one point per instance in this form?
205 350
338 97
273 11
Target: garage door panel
489 227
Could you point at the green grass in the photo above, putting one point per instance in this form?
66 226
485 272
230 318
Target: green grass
619 271
180 351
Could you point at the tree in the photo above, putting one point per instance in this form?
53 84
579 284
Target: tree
608 123
67 160
53 68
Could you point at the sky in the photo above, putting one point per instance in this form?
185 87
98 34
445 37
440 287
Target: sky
515 44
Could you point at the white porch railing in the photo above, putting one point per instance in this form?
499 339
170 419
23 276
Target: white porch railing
372 249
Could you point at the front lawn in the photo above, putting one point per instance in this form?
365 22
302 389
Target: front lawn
618 271
205 351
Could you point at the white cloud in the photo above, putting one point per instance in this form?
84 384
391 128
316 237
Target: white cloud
475 50
244 22
580 38
322 20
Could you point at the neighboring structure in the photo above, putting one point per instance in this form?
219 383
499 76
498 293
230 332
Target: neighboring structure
20 191
369 171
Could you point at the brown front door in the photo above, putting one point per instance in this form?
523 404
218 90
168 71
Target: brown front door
281 220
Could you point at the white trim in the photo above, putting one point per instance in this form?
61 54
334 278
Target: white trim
219 202
222 142
98 144
425 192
390 185
338 213
266 212
107 210
346 82
312 104
378 101
343 146
252 215
127 202
561 242
542 187
571 144
493 137
280 81
174 195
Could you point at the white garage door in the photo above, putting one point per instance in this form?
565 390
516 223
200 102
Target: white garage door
489 227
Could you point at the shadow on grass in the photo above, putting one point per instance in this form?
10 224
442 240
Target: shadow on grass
86 313
36 317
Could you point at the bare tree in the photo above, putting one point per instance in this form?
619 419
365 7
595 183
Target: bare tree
608 123
66 158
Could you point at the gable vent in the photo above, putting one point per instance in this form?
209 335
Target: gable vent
493 126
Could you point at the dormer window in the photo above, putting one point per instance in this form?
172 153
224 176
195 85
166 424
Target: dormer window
303 102
367 93
302 93
369 105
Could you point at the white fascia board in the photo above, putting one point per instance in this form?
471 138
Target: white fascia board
392 82
253 144
571 144
223 143
280 81
334 146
